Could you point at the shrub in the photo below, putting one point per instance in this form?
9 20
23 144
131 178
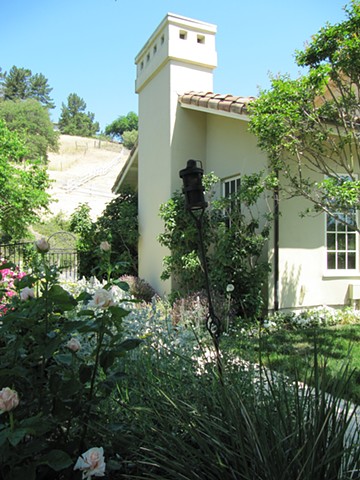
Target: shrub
234 236
117 225
194 308
130 138
61 355
139 288
256 425
313 317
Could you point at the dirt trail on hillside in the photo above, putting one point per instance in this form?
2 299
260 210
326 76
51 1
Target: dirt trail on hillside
84 171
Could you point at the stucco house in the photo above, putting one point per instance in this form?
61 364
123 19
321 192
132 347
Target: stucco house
181 118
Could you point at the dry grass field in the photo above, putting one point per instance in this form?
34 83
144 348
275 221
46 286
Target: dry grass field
84 171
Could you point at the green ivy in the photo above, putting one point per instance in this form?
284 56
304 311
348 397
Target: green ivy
234 239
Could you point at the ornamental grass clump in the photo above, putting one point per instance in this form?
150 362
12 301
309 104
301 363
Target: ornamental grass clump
61 359
257 425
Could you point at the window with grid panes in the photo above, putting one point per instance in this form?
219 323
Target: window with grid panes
231 187
341 242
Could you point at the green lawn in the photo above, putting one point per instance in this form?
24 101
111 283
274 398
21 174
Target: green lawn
292 351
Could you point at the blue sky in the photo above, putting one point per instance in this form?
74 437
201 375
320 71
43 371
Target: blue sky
88 47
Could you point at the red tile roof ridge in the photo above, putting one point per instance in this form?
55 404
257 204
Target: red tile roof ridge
217 101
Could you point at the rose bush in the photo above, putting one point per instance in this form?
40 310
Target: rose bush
62 356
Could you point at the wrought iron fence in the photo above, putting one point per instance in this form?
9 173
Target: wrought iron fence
62 253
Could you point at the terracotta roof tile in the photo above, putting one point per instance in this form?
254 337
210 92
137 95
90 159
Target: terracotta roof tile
215 101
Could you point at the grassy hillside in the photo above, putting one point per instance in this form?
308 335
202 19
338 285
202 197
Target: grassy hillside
84 171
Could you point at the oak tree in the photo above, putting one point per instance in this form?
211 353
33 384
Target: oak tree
310 126
124 123
32 123
23 187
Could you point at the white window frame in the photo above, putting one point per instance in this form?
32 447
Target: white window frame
234 182
341 230
230 186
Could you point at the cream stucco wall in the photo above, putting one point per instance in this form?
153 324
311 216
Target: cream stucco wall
304 279
172 62
167 136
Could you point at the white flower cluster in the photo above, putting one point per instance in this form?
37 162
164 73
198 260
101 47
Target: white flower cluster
102 298
319 316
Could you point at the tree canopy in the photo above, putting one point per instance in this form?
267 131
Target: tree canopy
124 123
22 186
73 119
32 123
21 84
310 126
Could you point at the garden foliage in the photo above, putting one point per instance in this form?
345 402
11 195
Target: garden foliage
61 355
32 123
255 424
118 226
234 234
78 399
23 187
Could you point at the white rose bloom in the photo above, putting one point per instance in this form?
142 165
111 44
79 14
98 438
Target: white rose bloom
102 299
73 344
105 246
27 293
91 463
42 245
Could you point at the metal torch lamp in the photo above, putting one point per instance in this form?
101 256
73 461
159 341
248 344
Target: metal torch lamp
195 203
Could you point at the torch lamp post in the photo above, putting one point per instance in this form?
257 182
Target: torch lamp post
195 204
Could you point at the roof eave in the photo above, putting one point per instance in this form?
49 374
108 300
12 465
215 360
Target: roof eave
225 105
128 168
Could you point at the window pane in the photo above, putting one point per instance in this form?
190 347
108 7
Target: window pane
226 189
331 265
341 227
330 223
341 261
341 241
331 241
351 220
351 260
351 241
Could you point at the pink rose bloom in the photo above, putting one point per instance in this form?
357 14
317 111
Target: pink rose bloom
8 399
91 463
73 344
42 245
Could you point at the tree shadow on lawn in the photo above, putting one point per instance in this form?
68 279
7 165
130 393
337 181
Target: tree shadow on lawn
292 352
